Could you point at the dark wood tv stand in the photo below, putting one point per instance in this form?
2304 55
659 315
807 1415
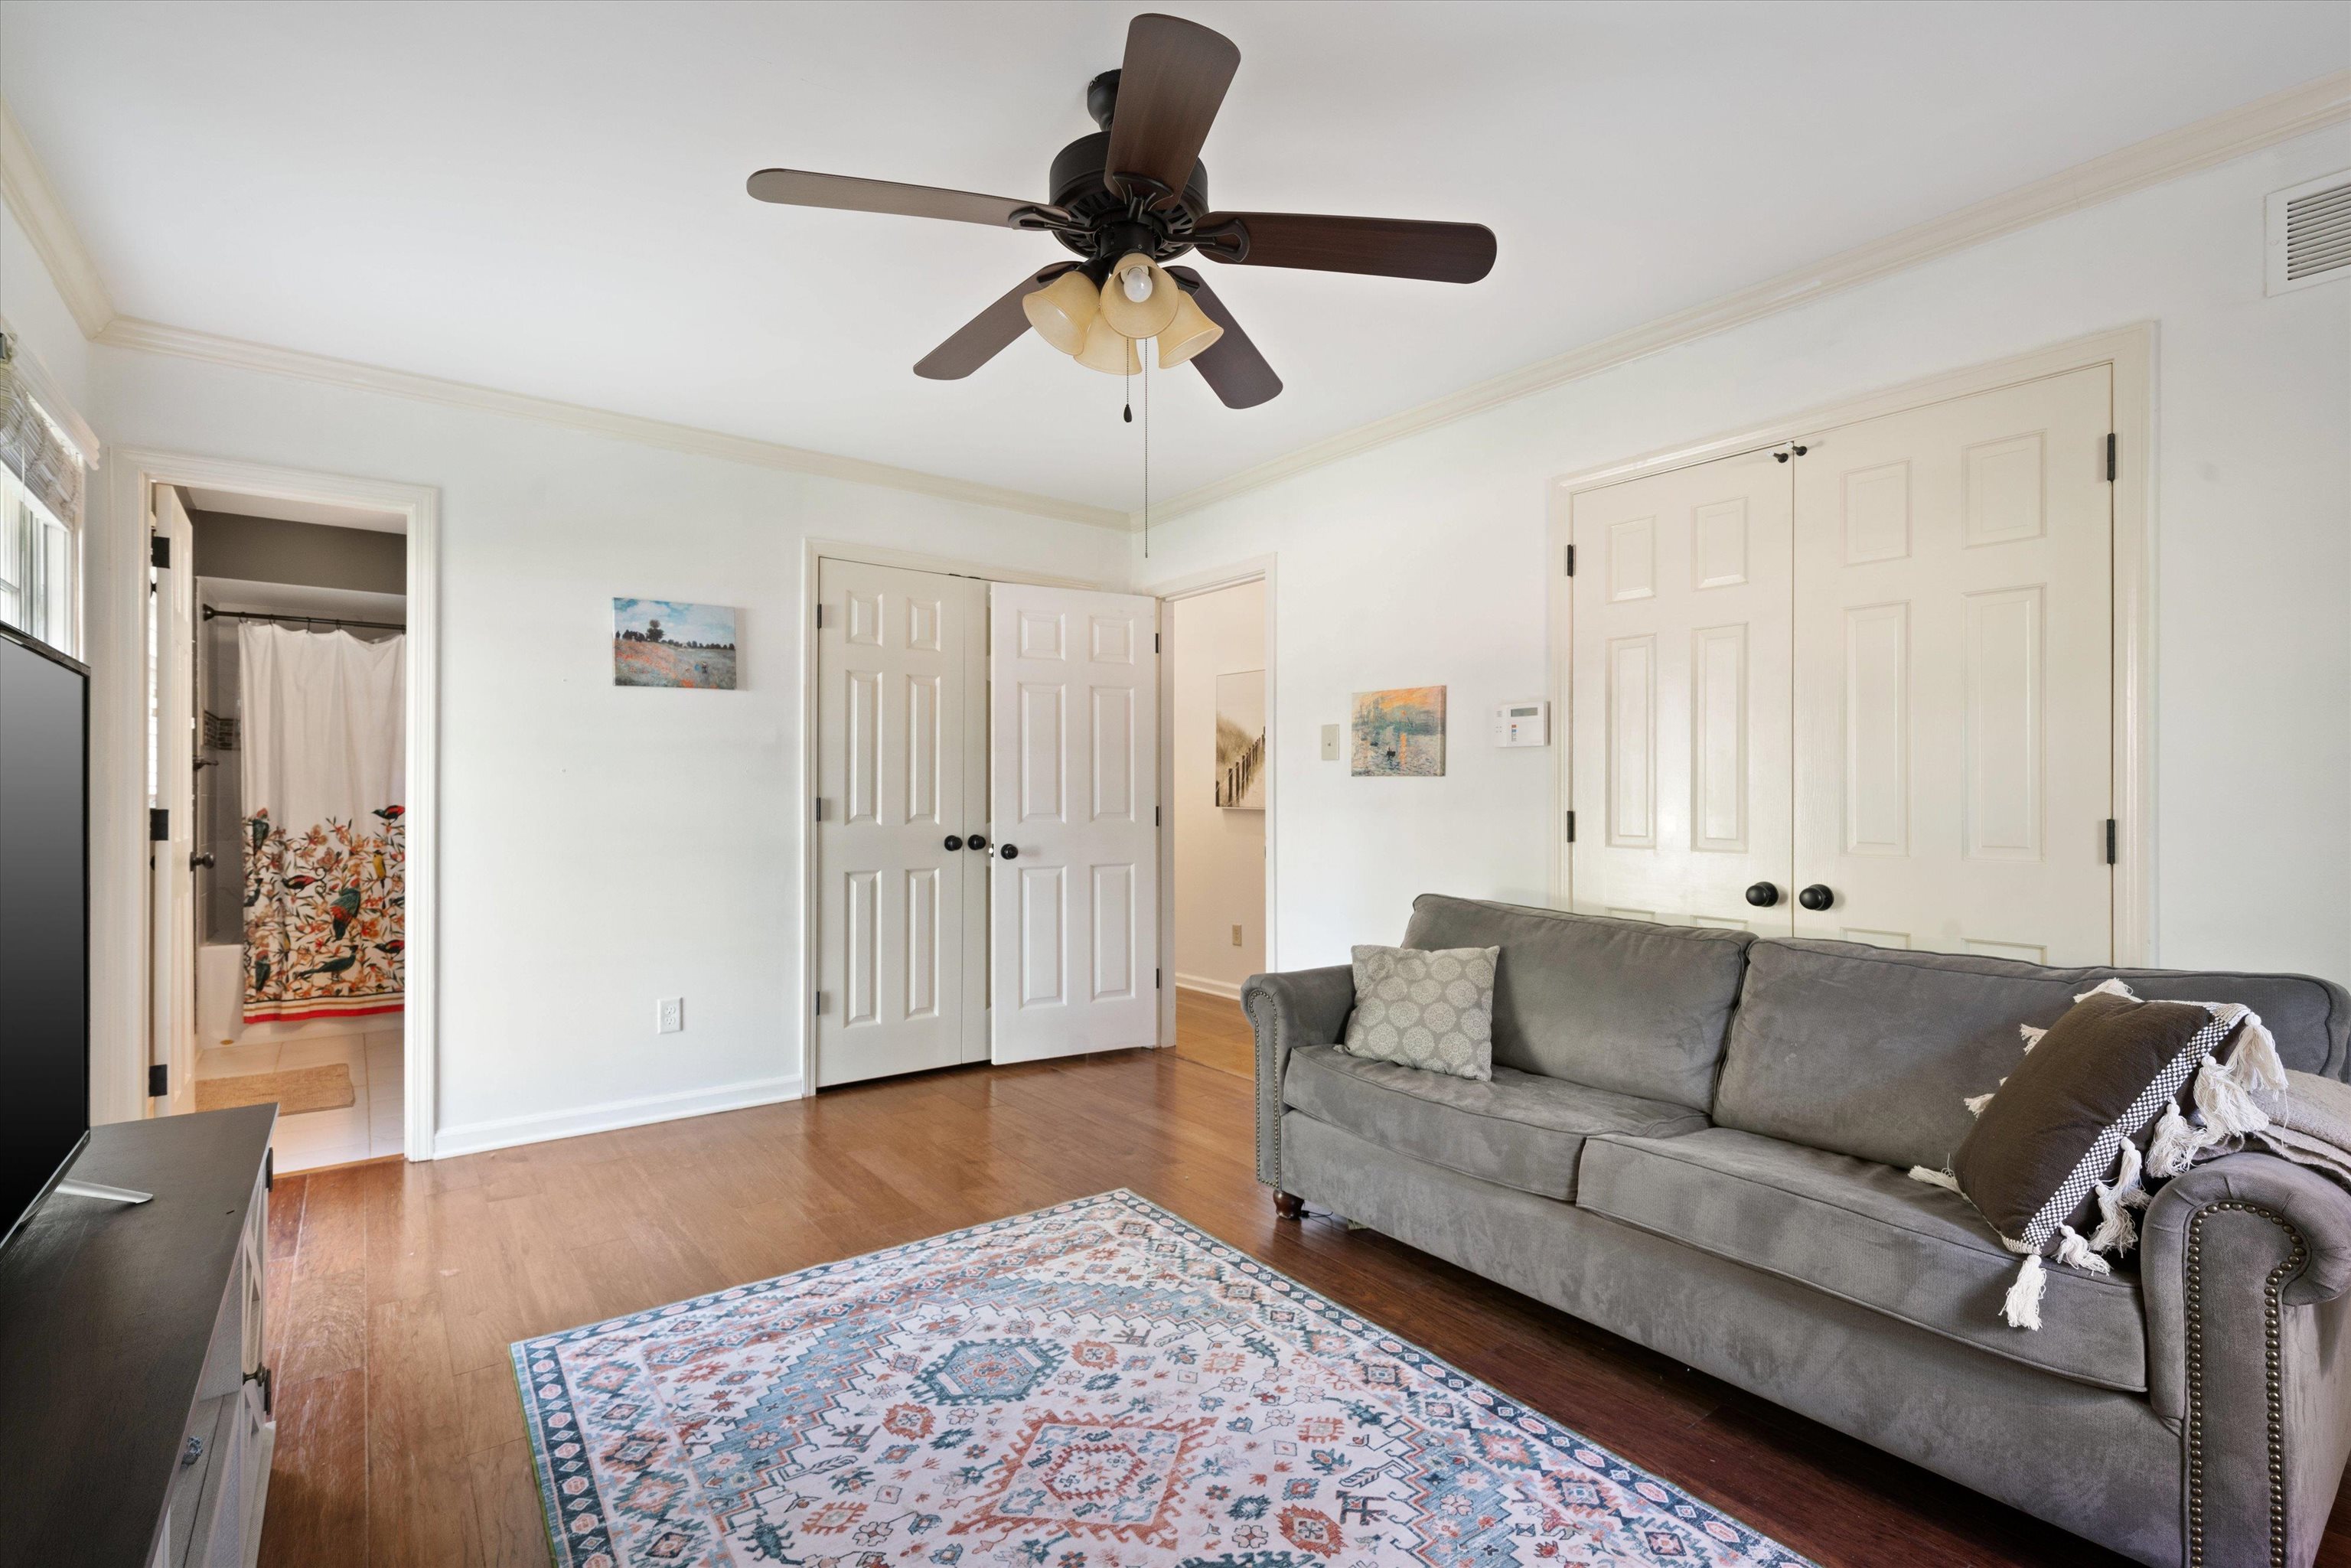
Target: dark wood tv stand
134 1407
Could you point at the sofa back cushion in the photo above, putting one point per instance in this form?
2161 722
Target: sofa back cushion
1615 1004
1872 1051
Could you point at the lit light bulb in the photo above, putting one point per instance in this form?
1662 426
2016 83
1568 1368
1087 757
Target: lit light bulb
1138 297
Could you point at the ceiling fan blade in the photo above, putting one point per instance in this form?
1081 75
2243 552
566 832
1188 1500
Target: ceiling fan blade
798 188
1169 87
1232 365
1385 247
986 335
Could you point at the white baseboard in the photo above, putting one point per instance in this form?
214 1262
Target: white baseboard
1230 990
476 1137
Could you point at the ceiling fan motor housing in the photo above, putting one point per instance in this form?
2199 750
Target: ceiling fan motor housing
1079 189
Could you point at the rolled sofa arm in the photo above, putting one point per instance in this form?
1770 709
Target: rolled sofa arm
1305 1006
2244 1267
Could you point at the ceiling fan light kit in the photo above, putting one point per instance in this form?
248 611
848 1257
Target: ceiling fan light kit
1138 298
1062 311
1187 334
1109 351
1131 197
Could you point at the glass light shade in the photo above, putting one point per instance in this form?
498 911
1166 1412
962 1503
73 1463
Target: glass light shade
1064 309
1108 350
1144 318
1185 336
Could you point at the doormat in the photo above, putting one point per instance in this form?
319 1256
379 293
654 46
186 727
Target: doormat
1093 1386
327 1088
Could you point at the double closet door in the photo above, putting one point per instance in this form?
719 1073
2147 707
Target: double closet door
985 837
1860 686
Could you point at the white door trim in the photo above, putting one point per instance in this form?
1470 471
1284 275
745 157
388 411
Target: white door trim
814 553
1188 585
115 648
2131 352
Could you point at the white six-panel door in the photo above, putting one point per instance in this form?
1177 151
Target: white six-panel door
902 663
1074 771
1954 678
1878 675
1680 702
173 901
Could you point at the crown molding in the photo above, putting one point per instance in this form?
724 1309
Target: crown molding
155 338
24 185
2248 128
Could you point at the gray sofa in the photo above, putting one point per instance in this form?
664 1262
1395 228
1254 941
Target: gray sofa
1699 1140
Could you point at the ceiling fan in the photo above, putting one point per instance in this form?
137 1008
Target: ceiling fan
1131 197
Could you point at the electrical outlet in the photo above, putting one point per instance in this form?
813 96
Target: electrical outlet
1236 935
1330 743
670 1020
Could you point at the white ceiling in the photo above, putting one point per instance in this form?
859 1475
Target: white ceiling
549 198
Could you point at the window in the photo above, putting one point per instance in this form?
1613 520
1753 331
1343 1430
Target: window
34 548
41 475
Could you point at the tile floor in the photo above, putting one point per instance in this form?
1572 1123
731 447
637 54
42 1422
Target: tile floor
367 1127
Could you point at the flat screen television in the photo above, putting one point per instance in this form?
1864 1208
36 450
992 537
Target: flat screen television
44 922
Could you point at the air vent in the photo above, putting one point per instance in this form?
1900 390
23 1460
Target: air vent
2309 233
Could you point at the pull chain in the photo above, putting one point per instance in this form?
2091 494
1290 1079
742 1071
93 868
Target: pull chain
1146 460
1127 414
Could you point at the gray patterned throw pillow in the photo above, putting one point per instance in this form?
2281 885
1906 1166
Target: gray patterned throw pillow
1433 1010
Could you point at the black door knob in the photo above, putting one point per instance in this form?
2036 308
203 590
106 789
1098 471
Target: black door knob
1763 896
954 842
1816 897
1010 851
977 841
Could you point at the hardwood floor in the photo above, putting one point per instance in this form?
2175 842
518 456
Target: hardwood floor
1213 1031
395 1289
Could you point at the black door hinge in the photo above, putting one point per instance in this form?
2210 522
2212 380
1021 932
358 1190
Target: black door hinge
820 807
159 550
1154 816
1154 979
2110 457
159 1081
269 1170
1155 642
1570 560
159 823
2110 842
819 1004
820 617
1571 827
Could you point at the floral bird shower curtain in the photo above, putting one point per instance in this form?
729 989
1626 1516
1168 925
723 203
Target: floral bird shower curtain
325 759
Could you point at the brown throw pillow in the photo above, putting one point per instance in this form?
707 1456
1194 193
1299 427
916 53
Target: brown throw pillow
2115 1094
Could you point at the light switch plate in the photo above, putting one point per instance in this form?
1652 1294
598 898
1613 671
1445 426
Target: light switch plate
1330 743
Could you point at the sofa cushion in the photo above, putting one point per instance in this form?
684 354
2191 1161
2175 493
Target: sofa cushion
1433 1010
1866 1234
1873 1050
1616 1004
1519 1129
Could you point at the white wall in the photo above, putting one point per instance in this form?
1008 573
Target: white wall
1219 854
1424 563
601 847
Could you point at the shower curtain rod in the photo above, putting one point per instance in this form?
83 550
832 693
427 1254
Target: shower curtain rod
213 615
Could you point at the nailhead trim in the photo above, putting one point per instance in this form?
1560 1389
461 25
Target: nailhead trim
2272 1349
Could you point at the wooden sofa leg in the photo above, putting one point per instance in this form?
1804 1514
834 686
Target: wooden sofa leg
1288 1206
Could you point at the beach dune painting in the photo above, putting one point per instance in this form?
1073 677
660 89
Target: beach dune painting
1399 734
668 643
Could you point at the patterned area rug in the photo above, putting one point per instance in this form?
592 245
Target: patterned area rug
1095 1385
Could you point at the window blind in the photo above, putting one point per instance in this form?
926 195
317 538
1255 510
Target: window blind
35 449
